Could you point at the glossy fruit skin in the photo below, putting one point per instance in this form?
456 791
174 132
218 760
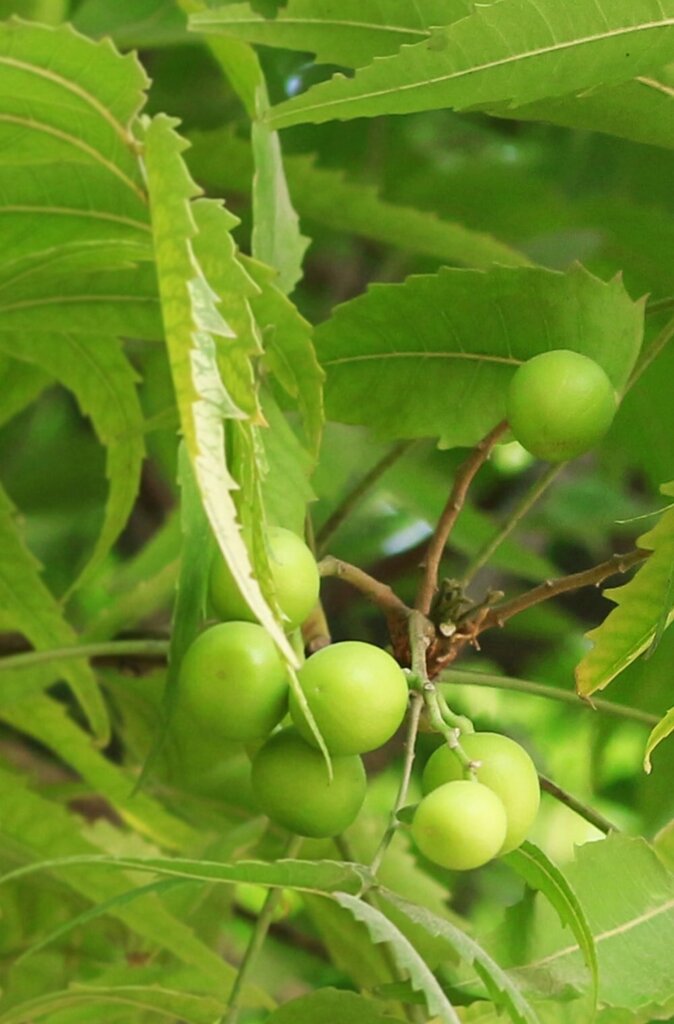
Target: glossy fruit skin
560 404
505 768
233 682
357 693
295 577
460 825
291 785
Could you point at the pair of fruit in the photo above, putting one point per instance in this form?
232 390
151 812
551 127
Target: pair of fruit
462 824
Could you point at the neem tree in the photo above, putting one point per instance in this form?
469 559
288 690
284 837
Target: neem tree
184 747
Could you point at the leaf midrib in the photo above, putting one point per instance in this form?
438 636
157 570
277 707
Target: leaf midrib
475 69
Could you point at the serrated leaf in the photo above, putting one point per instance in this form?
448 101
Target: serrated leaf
628 898
36 614
192 321
351 33
501 988
662 730
404 953
329 197
324 876
630 627
539 872
515 51
449 342
330 1004
289 349
53 79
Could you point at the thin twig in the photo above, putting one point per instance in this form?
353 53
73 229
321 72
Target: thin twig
589 813
107 649
379 593
551 588
416 705
467 677
462 481
653 351
525 504
356 495
256 940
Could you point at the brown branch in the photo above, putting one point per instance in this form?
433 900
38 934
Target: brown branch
551 588
379 593
462 481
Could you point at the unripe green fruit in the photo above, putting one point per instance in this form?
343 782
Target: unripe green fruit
291 784
233 682
460 825
505 768
357 694
295 577
560 404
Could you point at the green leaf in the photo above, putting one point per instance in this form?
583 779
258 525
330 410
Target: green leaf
285 488
165 1001
539 872
289 349
37 827
662 730
277 239
68 99
98 373
449 342
329 1004
640 110
631 626
324 876
133 24
20 384
516 51
404 954
48 722
329 198
217 254
192 322
35 613
501 988
627 896
352 33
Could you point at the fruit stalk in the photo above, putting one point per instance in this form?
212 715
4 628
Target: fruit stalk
462 481
256 940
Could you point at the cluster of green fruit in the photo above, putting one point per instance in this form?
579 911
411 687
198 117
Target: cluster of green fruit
234 685
462 824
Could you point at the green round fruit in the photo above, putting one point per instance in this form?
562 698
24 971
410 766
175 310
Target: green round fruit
233 682
291 785
505 768
357 694
560 404
461 825
295 577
